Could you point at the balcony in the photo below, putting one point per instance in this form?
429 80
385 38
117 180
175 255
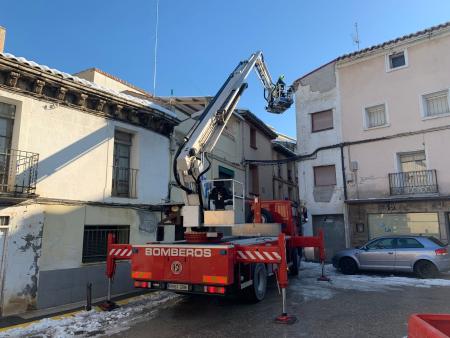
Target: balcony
18 172
124 182
413 182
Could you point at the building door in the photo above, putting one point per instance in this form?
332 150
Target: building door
413 172
333 230
3 234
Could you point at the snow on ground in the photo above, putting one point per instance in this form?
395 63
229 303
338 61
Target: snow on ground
96 323
306 284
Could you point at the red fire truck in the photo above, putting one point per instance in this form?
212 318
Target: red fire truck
221 254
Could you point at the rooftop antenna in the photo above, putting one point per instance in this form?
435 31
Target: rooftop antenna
156 47
355 37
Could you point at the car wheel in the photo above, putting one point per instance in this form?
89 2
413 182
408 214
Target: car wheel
348 266
257 291
425 269
295 259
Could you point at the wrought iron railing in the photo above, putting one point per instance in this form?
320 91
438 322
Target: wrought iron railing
18 172
124 182
95 240
413 182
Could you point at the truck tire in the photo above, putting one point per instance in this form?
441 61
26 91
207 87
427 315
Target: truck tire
295 259
266 216
257 291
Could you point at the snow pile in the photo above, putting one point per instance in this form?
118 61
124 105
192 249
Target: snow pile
309 288
93 323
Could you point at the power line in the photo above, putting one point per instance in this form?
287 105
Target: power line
156 47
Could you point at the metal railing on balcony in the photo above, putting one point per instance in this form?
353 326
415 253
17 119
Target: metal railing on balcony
124 182
413 182
18 172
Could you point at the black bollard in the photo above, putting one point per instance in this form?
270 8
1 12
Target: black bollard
89 297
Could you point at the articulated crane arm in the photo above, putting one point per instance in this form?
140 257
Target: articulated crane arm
190 158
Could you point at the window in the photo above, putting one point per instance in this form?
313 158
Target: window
425 223
412 161
408 243
385 243
436 104
124 178
325 175
436 241
253 137
95 240
254 180
4 220
225 173
397 60
290 194
322 120
376 116
7 112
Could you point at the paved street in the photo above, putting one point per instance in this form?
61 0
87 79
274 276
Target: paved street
350 306
323 310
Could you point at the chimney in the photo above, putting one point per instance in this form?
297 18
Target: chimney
2 38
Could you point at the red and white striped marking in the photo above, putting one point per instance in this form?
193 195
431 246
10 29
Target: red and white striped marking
259 255
120 252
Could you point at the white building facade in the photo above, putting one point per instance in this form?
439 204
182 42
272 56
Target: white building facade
77 160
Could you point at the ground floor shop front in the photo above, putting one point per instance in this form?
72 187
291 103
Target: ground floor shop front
427 216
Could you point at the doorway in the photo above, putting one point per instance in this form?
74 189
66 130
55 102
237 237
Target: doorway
333 230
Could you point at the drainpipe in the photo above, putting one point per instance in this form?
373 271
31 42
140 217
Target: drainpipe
344 179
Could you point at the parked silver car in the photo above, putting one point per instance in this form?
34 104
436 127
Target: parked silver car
426 256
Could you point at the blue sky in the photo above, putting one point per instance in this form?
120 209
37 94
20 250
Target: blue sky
201 41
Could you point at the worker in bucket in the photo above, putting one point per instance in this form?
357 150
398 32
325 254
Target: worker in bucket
220 196
280 82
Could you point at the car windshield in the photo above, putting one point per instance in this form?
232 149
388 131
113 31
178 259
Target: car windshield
436 241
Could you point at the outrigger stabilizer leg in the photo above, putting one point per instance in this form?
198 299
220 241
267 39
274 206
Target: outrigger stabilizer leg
109 305
284 318
322 277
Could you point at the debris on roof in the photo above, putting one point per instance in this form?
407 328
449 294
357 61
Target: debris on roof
86 83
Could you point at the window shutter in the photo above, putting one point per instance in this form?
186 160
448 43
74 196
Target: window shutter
322 120
376 116
437 103
325 175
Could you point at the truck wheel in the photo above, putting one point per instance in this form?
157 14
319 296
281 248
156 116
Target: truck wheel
266 216
257 291
295 259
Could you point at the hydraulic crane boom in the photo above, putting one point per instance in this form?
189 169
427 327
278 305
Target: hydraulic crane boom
203 136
